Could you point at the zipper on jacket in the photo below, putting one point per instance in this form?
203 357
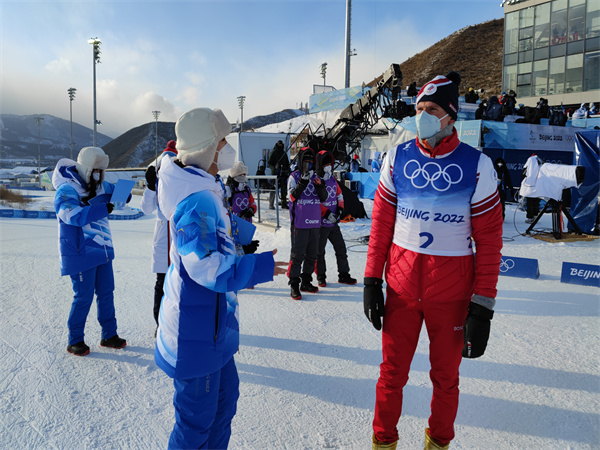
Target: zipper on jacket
217 319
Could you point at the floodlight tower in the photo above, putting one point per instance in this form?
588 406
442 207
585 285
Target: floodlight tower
349 52
38 121
71 92
96 55
323 71
156 114
241 99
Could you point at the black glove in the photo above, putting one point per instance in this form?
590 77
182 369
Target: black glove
373 301
251 247
321 191
477 330
109 207
299 188
151 178
248 212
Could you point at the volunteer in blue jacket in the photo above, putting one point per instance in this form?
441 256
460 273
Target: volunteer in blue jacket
198 329
85 244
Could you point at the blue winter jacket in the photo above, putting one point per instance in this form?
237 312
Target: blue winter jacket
198 329
84 239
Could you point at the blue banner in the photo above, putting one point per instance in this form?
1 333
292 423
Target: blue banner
586 274
584 201
339 99
512 266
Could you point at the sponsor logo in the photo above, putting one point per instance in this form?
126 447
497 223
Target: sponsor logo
459 328
432 172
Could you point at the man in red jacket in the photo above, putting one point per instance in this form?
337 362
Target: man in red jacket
436 199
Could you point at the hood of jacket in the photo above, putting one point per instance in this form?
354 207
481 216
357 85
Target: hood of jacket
66 172
176 183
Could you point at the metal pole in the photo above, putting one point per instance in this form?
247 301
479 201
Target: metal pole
348 50
71 92
95 59
156 114
38 121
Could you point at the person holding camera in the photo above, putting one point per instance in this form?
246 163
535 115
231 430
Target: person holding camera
82 205
436 197
306 191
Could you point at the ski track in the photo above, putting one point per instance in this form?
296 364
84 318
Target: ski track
307 368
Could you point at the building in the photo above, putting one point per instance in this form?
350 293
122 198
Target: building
552 50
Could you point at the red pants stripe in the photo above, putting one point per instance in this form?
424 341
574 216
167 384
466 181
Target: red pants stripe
402 323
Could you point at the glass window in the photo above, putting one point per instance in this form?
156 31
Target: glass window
558 50
575 47
525 56
592 18
526 17
558 24
559 5
541 33
592 44
556 79
541 53
510 78
576 22
525 68
511 34
591 69
525 44
574 74
540 78
511 59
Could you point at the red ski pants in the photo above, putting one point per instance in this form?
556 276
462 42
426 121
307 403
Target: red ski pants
402 323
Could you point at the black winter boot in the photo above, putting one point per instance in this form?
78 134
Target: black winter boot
307 285
79 349
113 342
321 280
345 278
295 289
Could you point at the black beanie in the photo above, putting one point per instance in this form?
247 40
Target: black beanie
443 91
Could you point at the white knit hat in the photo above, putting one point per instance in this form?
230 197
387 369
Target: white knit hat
91 158
239 168
198 134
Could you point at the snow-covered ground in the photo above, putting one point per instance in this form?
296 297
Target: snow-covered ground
308 368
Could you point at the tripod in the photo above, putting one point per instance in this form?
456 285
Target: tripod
557 208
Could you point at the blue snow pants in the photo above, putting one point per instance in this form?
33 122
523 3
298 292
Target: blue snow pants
100 280
204 409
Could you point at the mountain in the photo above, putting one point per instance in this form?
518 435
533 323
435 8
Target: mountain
261 121
476 52
19 139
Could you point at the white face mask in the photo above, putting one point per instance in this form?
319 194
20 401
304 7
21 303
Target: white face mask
96 176
225 158
428 125
327 169
242 186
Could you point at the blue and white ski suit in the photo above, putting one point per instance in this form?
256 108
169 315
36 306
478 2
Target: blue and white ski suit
198 331
85 249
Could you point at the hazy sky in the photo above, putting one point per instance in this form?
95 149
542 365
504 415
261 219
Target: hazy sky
173 56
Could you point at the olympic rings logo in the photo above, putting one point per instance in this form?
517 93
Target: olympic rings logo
310 189
242 203
432 172
331 191
506 265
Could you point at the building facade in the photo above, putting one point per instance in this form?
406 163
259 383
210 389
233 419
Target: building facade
552 50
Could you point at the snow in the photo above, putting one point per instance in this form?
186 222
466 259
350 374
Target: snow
307 368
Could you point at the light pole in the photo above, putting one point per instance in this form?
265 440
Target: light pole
241 99
96 54
156 114
38 121
71 92
323 71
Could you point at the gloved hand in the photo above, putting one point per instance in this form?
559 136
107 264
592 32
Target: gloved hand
305 176
477 330
299 188
321 189
330 217
151 178
247 213
373 301
109 207
251 247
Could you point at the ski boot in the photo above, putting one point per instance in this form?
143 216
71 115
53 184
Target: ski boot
78 349
345 278
113 342
295 289
432 444
307 285
321 280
